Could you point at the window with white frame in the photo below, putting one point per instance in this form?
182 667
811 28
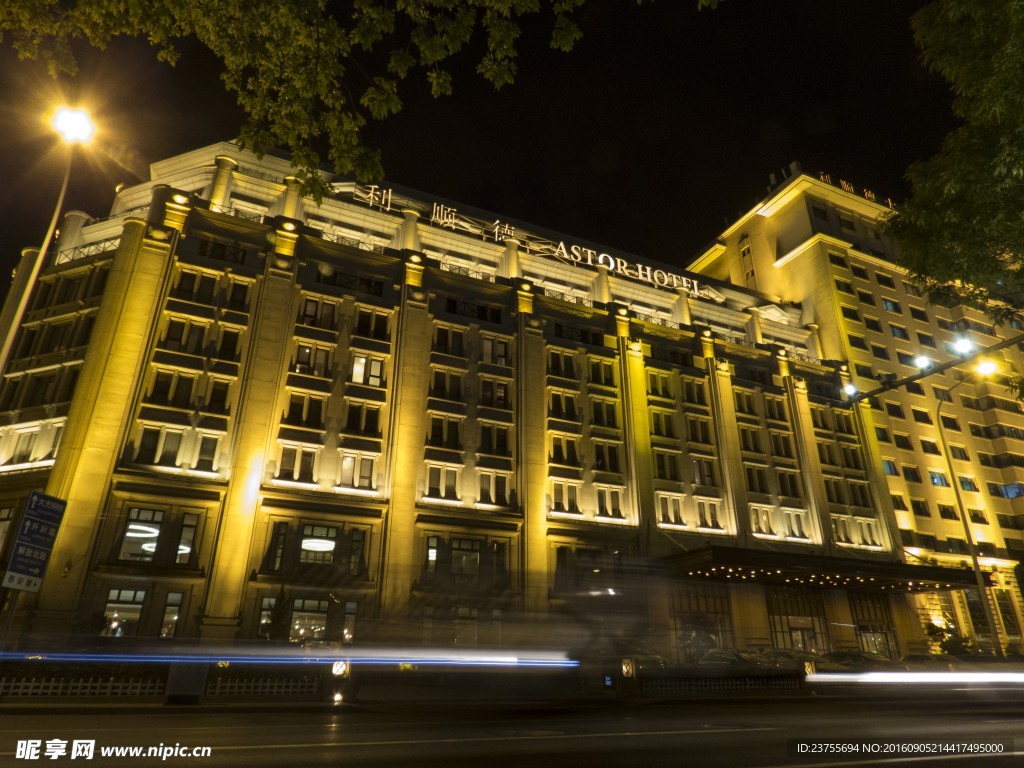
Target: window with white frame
796 523
698 430
494 488
789 484
657 384
604 413
368 370
362 418
206 459
761 520
841 529
494 439
565 497
666 466
606 457
708 514
564 450
608 502
782 446
834 490
318 544
158 446
443 481
318 313
184 335
867 531
670 509
444 432
495 350
562 405
693 392
304 411
446 384
757 478
860 496
297 464
750 440
704 471
663 423
494 393
602 372
356 470
312 360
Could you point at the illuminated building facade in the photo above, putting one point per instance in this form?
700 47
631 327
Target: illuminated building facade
383 417
948 445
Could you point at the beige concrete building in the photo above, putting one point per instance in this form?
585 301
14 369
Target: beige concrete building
947 446
382 416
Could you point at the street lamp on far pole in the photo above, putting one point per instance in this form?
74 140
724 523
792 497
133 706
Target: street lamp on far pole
983 369
74 127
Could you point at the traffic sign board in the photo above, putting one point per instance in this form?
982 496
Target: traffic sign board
31 549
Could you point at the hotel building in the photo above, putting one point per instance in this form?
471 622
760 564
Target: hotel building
382 416
948 445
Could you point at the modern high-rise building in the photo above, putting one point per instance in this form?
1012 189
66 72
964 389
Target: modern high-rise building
381 416
950 445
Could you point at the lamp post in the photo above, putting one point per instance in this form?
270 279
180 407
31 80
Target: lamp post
984 368
74 127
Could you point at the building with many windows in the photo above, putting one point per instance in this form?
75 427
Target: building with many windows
381 416
947 446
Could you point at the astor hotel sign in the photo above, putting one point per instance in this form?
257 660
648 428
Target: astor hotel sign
498 231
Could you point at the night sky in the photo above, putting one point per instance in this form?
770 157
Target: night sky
660 128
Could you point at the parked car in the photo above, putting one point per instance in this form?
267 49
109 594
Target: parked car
933 662
862 661
733 661
796 661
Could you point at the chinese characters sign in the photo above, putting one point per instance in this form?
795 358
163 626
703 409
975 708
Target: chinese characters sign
31 549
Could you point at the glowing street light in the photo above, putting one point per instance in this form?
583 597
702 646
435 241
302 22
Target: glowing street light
73 125
962 345
922 362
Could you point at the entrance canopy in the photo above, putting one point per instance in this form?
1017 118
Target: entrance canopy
750 566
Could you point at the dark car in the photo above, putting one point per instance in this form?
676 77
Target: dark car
732 661
797 661
933 662
862 661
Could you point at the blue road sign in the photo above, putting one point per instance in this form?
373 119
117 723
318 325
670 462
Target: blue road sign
31 549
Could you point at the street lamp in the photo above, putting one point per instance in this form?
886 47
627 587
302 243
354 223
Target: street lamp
984 368
74 127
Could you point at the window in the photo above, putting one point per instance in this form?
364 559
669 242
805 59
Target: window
657 384
707 514
925 339
606 457
444 432
890 468
750 440
183 336
920 507
977 516
562 405
968 484
914 388
918 314
757 478
866 298
372 324
850 313
561 364
602 372
312 360
789 484
895 410
608 502
662 424
494 488
781 445
872 324
795 523
494 394
172 609
837 260
318 544
857 341
121 612
877 350
564 497
774 409
297 464
465 557
948 512
826 453
495 350
859 271
911 474
368 371
309 619
443 482
834 490
666 466
304 411
704 471
745 403
670 509
449 340
238 296
362 418
921 416
317 313
930 446
841 529
891 306
564 450
604 413
494 439
227 348
819 418
959 452
902 442
761 520
938 478
859 494
217 401
357 471
698 430
141 534
898 502
844 286
882 435
884 280
693 392
186 539
446 385
899 332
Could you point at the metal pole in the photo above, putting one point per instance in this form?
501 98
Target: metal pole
971 546
37 265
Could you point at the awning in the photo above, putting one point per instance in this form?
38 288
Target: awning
753 566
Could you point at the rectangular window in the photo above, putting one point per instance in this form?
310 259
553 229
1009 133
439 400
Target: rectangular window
122 611
920 507
789 484
372 324
890 468
141 534
449 340
446 385
757 478
602 372
938 478
562 405
318 544
930 446
564 497
172 610
564 451
707 514
670 509
494 488
494 394
443 482
948 512
608 502
604 413
698 430
704 471
368 371
606 457
665 466
495 350
561 364
891 306
494 439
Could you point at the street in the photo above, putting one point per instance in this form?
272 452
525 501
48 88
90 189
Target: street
727 733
